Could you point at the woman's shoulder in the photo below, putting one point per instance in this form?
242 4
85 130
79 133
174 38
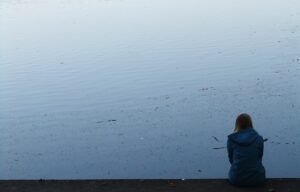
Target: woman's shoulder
260 137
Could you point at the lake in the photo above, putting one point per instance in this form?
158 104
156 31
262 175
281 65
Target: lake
145 88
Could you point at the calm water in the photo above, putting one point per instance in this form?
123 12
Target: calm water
145 88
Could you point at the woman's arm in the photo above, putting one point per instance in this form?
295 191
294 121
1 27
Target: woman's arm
261 148
230 151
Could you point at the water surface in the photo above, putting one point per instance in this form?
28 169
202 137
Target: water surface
145 89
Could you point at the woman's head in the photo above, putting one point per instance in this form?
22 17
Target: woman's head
243 121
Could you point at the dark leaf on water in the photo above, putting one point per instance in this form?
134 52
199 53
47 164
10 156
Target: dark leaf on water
215 138
219 148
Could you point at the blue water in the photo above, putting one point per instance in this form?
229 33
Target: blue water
140 88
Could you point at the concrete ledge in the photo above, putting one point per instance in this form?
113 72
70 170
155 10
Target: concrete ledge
193 185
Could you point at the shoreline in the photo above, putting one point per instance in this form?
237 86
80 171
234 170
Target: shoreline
145 185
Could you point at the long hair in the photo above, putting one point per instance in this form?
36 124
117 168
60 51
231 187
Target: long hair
243 121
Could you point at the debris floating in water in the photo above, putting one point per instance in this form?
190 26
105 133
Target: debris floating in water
110 120
215 138
219 148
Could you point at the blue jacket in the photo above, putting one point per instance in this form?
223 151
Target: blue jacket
245 152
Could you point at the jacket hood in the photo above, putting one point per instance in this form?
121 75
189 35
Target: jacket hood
244 137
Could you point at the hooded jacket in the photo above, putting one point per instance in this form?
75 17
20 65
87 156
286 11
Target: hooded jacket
245 152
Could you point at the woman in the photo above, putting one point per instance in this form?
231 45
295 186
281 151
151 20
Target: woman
245 151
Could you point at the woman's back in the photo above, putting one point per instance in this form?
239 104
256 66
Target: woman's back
245 152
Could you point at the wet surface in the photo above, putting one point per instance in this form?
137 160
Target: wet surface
195 185
145 89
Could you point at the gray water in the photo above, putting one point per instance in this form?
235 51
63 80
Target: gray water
145 88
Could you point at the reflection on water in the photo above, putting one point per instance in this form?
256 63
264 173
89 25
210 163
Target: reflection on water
145 89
